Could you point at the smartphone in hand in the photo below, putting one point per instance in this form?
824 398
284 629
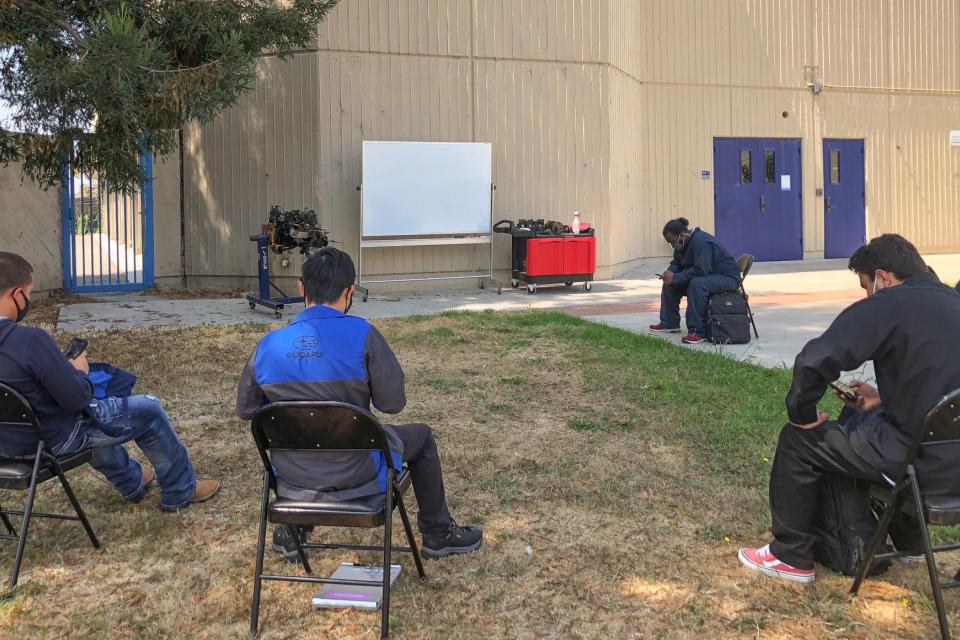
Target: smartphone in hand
848 393
75 348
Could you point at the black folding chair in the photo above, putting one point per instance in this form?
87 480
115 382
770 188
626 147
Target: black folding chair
319 426
940 427
744 264
27 475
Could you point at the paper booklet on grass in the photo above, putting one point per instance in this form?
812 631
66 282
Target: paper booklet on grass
334 596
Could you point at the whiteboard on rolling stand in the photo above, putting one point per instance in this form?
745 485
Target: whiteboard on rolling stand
426 189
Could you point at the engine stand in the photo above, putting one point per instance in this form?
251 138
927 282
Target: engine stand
263 297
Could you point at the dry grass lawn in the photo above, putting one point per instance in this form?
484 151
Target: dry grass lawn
632 469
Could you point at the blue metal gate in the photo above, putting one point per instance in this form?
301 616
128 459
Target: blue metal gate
107 235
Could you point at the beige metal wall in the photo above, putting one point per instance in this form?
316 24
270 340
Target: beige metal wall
606 106
30 226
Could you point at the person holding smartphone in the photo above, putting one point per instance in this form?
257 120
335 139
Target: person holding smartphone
60 393
701 267
907 326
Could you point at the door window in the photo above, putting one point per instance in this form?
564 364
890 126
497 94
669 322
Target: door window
834 166
769 166
746 172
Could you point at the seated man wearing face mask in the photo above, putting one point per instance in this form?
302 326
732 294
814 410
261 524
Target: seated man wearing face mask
700 268
349 361
61 395
907 327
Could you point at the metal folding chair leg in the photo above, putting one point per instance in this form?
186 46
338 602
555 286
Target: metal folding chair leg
6 522
746 301
76 504
27 512
300 551
387 549
402 508
261 544
928 553
871 551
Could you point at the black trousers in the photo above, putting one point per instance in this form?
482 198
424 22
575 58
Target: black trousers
859 446
422 458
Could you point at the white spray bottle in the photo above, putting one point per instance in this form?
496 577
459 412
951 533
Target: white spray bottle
575 225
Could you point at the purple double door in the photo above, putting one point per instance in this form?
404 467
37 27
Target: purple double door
758 200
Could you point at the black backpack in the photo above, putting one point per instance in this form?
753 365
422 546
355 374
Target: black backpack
844 526
728 319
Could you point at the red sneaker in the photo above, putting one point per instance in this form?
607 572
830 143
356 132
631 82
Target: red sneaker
662 328
766 563
692 338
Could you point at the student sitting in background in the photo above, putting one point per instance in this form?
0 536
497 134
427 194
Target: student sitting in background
700 268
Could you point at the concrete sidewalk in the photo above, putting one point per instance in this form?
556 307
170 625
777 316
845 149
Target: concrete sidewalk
792 301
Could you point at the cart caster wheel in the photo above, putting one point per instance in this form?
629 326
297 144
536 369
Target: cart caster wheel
587 286
568 284
499 288
278 315
531 288
253 305
514 284
364 298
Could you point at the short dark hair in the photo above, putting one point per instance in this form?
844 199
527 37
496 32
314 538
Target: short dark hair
326 274
676 226
15 272
889 252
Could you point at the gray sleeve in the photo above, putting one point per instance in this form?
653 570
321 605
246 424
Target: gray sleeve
250 397
384 374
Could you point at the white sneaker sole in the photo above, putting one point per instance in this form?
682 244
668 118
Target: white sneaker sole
773 573
664 330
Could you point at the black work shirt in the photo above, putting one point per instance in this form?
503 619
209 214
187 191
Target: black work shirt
909 332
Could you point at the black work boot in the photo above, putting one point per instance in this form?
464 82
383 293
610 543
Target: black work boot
450 541
283 540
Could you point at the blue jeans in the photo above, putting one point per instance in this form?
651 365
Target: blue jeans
148 425
698 292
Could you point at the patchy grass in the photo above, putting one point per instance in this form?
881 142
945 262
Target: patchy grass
614 486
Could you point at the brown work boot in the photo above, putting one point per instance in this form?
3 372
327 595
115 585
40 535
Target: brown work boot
205 490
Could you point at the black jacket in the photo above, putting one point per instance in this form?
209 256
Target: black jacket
910 333
33 365
702 256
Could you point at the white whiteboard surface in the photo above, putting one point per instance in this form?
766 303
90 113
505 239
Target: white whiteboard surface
426 188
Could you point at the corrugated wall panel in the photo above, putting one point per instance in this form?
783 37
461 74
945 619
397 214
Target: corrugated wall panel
561 30
686 41
770 42
851 41
546 123
626 220
679 124
925 44
429 27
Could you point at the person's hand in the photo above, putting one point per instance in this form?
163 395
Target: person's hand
868 398
80 363
821 418
667 277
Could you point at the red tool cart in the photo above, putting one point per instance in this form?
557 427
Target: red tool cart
547 253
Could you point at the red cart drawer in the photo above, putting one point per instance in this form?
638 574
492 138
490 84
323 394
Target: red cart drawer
545 256
579 255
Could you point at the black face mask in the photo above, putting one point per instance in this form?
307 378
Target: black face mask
21 311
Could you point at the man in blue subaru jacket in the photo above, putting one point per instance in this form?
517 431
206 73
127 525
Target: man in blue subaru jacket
61 395
701 267
327 355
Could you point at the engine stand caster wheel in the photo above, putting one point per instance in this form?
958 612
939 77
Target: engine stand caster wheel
514 284
482 285
531 288
364 298
278 315
253 305
568 284
499 288
587 286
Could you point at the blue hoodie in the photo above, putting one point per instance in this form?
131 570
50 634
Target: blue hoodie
33 365
702 256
